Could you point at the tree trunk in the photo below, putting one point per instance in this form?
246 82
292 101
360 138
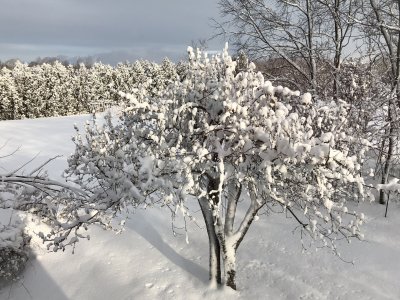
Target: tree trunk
310 44
338 49
385 174
213 242
229 254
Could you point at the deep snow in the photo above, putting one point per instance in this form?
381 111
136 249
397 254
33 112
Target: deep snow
147 262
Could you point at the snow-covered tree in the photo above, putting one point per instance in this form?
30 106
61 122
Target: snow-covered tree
219 137
55 90
307 37
10 99
380 22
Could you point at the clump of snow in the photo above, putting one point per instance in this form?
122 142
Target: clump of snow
306 98
391 186
11 236
296 93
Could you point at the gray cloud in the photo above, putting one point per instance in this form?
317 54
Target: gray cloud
29 29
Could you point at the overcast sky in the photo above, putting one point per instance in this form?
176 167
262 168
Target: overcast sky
122 29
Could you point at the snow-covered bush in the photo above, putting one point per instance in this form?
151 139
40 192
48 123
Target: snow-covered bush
220 137
13 250
33 193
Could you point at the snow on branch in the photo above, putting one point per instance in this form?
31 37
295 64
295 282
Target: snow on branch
391 186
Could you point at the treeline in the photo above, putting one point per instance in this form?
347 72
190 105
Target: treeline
48 90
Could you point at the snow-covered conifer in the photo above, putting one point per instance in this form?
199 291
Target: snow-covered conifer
10 100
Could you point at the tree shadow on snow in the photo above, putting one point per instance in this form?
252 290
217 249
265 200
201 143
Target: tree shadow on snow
150 234
35 284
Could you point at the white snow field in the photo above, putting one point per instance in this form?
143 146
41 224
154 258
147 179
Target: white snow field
147 262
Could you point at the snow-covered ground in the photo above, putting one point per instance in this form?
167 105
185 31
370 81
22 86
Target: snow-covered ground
147 262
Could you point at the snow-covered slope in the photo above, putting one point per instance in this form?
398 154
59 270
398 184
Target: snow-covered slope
147 262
